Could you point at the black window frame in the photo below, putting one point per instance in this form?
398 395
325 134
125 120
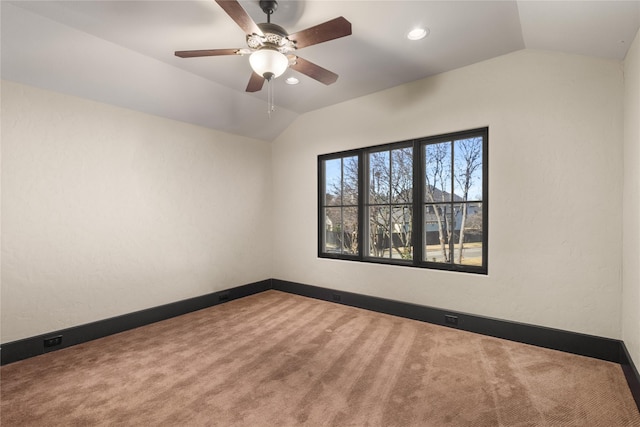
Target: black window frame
322 205
418 237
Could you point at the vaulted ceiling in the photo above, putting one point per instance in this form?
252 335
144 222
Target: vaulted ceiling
122 52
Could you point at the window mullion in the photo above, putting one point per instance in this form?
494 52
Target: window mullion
363 188
322 184
418 235
452 215
390 204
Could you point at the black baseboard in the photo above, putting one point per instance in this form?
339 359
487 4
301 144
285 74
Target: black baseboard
630 373
33 346
571 342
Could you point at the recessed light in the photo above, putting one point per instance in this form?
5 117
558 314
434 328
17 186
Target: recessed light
418 33
292 81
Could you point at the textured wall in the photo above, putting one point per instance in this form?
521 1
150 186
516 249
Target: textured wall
108 211
631 204
555 178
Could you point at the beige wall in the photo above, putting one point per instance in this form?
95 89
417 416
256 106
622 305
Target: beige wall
631 204
106 211
555 178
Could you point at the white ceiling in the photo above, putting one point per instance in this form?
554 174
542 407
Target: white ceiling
121 52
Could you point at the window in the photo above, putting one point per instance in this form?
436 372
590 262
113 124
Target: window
420 203
389 203
339 205
453 218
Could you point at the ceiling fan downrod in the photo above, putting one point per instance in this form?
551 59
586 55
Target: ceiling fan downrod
268 7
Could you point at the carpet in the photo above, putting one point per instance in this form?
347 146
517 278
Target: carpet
277 359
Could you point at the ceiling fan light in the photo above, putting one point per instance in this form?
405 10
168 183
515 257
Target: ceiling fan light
268 63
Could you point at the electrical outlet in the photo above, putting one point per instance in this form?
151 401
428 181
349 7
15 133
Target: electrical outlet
224 296
450 319
53 341
336 297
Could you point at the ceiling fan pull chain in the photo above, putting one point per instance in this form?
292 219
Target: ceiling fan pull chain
270 101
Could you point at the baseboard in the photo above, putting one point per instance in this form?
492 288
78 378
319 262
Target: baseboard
630 373
33 346
571 342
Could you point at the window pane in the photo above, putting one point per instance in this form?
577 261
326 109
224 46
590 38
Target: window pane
333 182
341 230
349 236
401 218
437 232
437 168
332 221
402 175
468 169
379 177
379 231
350 181
468 242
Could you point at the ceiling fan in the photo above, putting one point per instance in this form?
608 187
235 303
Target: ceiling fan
271 47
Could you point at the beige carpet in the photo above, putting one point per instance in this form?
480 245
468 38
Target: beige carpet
275 359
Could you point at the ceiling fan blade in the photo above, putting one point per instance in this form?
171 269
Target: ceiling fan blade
330 30
314 71
255 83
206 52
240 16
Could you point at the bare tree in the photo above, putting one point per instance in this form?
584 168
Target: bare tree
350 197
343 194
390 193
451 172
467 161
378 196
438 178
402 198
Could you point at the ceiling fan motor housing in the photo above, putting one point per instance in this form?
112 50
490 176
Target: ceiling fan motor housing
269 28
274 37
